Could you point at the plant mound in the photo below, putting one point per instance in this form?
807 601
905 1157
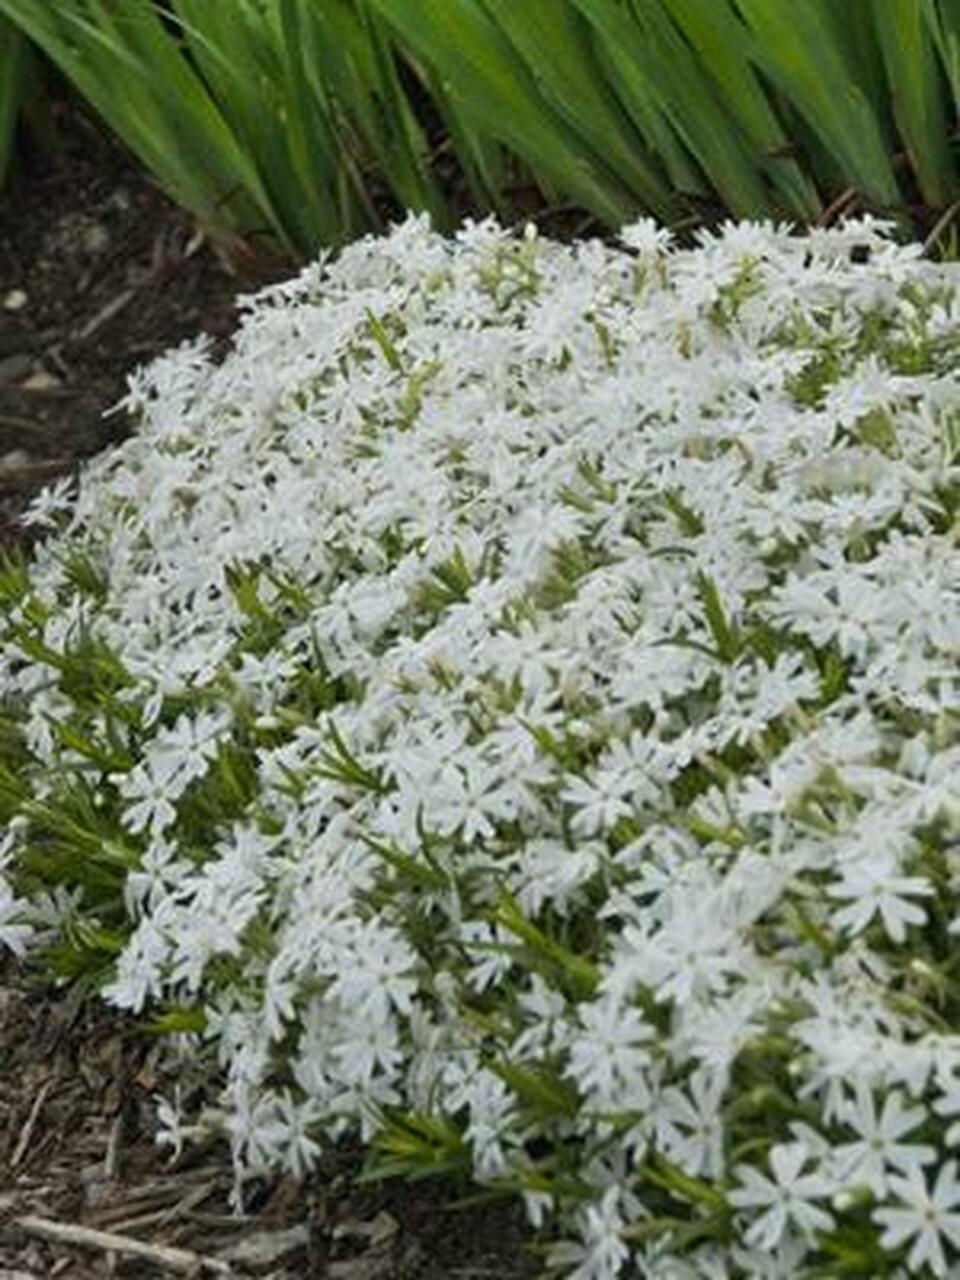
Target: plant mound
508 708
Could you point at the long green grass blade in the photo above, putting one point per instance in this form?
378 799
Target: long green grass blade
642 102
295 118
556 46
655 62
487 165
310 118
797 46
251 63
943 23
487 82
918 101
347 49
722 44
130 69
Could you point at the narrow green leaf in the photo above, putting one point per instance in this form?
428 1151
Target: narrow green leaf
796 46
581 972
487 81
722 44
556 46
916 95
725 635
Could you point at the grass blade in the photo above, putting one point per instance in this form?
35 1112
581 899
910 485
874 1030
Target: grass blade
488 84
918 103
943 23
556 46
797 46
656 66
130 69
346 48
721 43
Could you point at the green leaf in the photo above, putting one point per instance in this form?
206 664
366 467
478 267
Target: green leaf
726 636
415 1145
487 83
580 973
919 105
541 1090
799 47
178 1020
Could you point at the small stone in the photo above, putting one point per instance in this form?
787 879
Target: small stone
15 367
40 381
94 238
14 460
15 300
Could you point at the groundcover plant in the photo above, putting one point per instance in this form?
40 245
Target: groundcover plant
508 708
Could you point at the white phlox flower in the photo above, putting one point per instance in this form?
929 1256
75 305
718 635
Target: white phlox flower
788 1197
878 1147
927 1216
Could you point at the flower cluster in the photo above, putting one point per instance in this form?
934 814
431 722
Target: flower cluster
508 708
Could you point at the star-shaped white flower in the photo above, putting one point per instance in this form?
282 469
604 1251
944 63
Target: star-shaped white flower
787 1197
925 1215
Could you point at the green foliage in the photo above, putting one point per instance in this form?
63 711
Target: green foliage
295 120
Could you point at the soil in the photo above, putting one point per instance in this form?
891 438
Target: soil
99 273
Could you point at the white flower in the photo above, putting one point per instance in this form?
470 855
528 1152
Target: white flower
785 1198
948 1103
140 968
870 387
184 751
153 791
926 1217
608 1058
14 932
52 502
469 797
780 1263
603 1251
873 887
879 1148
377 980
364 1049
600 801
646 237
691 1127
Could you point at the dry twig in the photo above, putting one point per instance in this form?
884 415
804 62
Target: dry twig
183 1261
26 1133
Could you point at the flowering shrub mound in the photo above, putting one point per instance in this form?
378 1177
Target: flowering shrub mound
509 708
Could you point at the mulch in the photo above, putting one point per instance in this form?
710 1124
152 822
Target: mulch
86 1191
99 273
